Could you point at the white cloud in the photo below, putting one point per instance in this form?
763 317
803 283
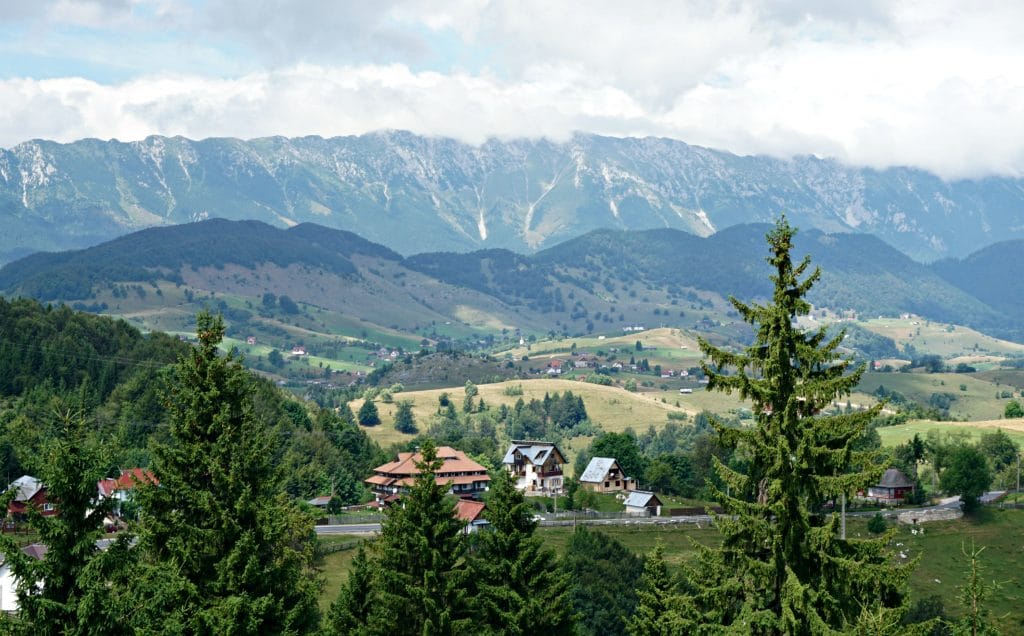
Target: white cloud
929 84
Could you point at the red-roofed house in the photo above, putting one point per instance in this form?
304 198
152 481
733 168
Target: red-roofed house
120 488
464 477
472 513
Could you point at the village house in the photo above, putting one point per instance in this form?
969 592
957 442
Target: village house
471 512
463 476
320 502
29 493
121 488
251 340
8 584
298 350
640 502
583 361
555 367
536 466
893 488
603 474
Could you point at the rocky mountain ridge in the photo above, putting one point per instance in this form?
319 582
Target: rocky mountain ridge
417 194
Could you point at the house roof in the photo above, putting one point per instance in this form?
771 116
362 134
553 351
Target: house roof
453 461
26 486
469 510
37 550
127 480
597 469
894 478
322 500
642 499
536 452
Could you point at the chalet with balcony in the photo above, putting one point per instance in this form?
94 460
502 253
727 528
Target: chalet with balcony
603 474
536 466
463 476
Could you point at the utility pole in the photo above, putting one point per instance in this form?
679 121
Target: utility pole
842 523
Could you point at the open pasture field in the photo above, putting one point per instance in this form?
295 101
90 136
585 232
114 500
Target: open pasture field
613 408
661 346
895 435
975 393
939 338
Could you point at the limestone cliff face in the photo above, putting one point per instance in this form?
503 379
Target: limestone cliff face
417 194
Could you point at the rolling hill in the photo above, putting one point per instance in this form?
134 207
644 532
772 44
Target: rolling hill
313 285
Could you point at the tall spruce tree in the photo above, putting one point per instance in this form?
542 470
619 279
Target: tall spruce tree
223 551
604 576
420 579
782 568
660 610
51 590
350 611
519 587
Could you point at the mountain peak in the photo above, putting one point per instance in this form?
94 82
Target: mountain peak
417 194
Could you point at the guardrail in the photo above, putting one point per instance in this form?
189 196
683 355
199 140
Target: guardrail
344 520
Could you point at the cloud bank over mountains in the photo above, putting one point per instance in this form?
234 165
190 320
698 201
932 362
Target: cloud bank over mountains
939 86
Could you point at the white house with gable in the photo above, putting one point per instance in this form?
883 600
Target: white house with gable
536 466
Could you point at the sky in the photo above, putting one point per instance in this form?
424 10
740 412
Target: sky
934 85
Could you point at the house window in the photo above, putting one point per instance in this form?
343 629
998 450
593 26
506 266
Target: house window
47 507
616 482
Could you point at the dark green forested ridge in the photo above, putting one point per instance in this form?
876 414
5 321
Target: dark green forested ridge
994 275
160 253
41 344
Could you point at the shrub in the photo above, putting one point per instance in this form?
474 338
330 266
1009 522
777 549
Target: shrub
876 524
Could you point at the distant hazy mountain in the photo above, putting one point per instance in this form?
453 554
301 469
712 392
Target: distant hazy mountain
417 194
607 276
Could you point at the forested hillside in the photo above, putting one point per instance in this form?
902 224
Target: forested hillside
994 275
55 361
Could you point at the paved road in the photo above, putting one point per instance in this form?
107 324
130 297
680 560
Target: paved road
371 528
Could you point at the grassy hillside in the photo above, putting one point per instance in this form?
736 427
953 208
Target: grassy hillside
940 338
894 435
614 409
